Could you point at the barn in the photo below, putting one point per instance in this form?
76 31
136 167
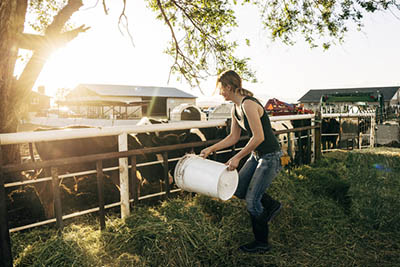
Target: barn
105 101
391 95
39 101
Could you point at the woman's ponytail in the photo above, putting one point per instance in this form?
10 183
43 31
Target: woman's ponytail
245 92
231 79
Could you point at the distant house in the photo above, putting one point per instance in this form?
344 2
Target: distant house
124 101
391 95
39 101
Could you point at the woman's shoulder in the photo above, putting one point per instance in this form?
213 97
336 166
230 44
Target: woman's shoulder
250 102
252 105
248 98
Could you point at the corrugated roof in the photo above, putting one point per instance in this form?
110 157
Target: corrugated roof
314 95
133 90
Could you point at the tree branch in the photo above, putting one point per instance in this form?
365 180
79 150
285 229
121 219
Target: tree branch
53 39
63 16
36 41
123 16
20 15
105 7
172 33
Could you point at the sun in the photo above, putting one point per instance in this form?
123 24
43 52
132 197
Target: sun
59 71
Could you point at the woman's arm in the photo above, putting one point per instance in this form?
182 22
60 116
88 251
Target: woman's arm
228 141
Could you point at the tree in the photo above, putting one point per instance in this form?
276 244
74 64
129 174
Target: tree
15 91
200 43
320 22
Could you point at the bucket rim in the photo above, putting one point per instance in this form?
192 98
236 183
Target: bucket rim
179 170
235 177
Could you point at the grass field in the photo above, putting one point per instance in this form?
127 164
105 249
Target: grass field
341 211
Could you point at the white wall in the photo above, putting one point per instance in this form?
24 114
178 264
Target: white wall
173 102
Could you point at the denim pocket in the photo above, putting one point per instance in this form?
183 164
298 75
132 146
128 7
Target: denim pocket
273 160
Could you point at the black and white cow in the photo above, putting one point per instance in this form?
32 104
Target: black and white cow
331 128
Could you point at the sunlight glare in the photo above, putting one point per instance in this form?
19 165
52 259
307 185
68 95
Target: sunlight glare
61 70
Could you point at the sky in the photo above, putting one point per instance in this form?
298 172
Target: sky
105 55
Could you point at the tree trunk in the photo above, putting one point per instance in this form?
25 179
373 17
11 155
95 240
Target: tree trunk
8 54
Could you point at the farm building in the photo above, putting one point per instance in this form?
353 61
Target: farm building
39 101
124 101
391 95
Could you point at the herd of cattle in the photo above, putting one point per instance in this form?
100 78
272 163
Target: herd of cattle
80 192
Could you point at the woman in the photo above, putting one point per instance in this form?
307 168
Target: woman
264 162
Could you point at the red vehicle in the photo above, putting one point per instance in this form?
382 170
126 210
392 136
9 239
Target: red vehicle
275 107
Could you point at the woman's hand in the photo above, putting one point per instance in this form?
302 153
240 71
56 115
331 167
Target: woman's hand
205 152
232 164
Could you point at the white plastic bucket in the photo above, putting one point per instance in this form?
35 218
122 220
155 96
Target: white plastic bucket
203 176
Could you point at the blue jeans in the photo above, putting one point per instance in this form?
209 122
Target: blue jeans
255 177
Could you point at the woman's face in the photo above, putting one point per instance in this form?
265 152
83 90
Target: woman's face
224 91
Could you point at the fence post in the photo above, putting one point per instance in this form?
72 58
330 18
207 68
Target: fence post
31 154
290 146
372 132
166 176
5 242
359 133
124 176
57 199
340 131
317 135
312 140
300 149
134 182
100 192
308 146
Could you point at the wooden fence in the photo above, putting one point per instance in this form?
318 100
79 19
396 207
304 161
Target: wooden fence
127 165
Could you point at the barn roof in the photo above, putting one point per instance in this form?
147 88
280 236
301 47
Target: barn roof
134 90
314 95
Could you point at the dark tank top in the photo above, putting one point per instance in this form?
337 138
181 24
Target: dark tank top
270 143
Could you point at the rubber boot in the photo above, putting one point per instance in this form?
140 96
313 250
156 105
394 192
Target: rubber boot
260 244
271 207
